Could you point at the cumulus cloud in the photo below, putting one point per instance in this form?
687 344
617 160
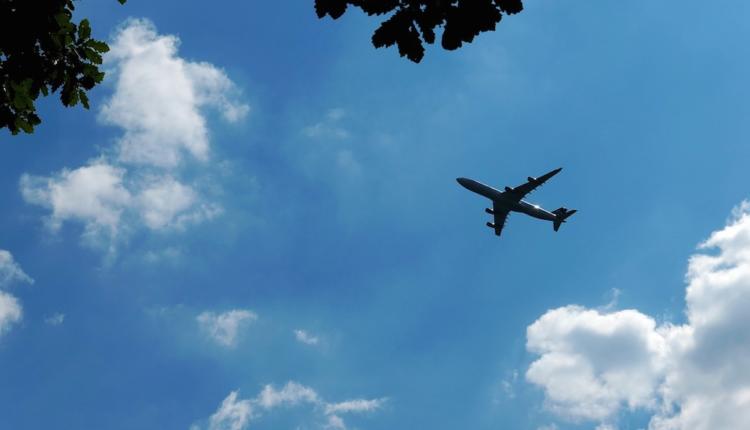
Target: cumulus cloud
165 202
224 327
237 414
160 103
100 197
159 97
592 363
695 376
305 337
93 194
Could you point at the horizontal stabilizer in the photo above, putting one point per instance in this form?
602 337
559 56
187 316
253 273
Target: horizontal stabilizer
561 214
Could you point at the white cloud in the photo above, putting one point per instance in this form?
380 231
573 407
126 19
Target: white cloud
159 97
507 386
165 202
170 254
10 271
347 162
694 376
98 196
10 312
356 405
335 422
592 363
159 101
330 145
232 414
94 194
305 337
224 327
55 319
329 128
291 394
235 414
162 200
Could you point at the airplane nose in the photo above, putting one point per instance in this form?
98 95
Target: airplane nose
466 183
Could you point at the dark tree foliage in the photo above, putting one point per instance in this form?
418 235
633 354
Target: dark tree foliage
414 21
43 51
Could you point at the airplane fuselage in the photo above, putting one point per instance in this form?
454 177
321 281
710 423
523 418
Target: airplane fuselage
500 199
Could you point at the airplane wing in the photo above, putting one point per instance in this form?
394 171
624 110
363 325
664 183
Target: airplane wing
501 214
521 191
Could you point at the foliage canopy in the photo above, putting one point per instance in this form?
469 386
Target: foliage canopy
414 21
41 51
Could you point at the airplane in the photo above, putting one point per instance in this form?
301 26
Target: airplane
511 200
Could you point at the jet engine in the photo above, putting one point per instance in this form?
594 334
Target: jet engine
531 179
490 225
489 211
508 189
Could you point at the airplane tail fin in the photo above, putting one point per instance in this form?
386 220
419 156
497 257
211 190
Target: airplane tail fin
561 214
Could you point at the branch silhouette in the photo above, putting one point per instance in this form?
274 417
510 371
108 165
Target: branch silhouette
42 51
413 22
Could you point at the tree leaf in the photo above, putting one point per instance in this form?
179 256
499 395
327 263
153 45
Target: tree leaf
98 45
378 7
92 56
84 98
84 30
24 125
334 8
510 6
461 20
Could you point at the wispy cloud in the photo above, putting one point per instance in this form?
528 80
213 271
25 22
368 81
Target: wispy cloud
10 270
594 363
330 127
55 319
357 405
331 144
507 385
11 310
225 327
233 414
305 337
236 414
290 394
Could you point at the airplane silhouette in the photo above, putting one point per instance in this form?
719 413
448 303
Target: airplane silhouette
511 200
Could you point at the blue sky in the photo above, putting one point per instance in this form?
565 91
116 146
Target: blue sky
323 200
